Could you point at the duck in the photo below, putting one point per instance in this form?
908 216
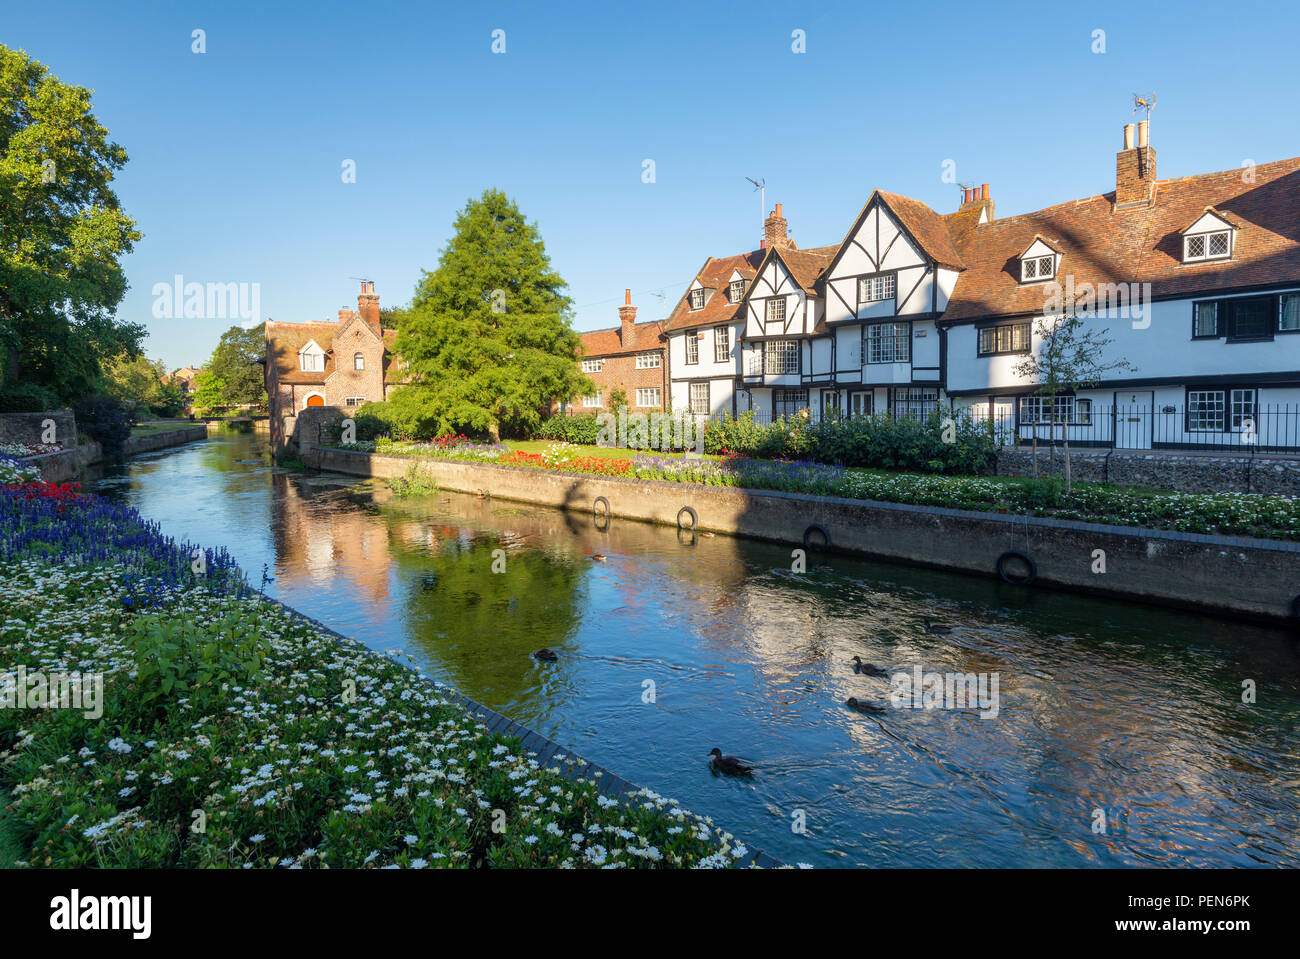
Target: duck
429 581
867 669
547 655
597 557
937 629
862 706
728 764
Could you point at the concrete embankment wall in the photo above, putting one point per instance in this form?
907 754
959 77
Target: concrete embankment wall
1225 574
66 465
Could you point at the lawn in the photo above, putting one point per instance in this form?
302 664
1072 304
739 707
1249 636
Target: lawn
151 427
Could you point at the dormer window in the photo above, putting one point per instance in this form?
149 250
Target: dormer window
697 298
311 358
1207 246
737 290
1211 237
1034 268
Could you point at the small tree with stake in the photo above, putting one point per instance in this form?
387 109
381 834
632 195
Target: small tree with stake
1070 357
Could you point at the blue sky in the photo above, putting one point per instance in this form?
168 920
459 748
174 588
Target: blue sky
236 154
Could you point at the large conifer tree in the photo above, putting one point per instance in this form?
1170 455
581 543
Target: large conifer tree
487 341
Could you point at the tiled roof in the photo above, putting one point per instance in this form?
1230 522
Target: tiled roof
715 275
284 340
645 337
1140 244
926 227
807 265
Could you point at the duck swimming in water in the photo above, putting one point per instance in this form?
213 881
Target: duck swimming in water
546 654
728 764
597 557
937 629
867 669
863 706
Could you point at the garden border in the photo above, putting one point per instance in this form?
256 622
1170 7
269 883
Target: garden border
609 784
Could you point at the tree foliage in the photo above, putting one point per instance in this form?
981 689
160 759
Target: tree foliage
487 341
62 233
234 362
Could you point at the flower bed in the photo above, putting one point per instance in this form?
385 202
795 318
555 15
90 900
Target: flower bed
235 734
13 469
1243 514
29 449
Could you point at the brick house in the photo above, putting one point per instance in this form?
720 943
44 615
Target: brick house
341 364
629 357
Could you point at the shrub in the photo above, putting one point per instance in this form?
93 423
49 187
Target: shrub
581 429
107 421
416 483
27 398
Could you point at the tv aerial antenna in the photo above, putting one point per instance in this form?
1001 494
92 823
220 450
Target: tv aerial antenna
760 187
1145 103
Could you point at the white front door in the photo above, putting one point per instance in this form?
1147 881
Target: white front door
1134 413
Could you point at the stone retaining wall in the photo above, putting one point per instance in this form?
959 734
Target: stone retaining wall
29 428
1257 578
66 465
1160 469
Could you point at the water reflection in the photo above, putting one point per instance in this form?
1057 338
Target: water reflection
1103 706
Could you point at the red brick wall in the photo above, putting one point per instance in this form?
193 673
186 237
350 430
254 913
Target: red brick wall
620 372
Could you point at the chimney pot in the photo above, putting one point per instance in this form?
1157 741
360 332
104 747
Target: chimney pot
1142 134
1128 136
984 192
965 196
627 297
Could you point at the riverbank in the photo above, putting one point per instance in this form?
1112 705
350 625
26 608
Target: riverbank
67 464
216 728
1225 574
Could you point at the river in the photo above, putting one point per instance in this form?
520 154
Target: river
1120 737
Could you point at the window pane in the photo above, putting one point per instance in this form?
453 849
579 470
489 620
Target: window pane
1207 319
1205 410
1289 312
1251 317
1219 244
1195 247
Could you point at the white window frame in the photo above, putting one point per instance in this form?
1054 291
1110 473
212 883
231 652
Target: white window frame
697 299
721 344
698 407
1241 409
358 361
736 291
788 402
1205 241
649 396
1032 267
781 357
1207 402
593 366
915 402
899 338
874 289
692 347
1282 301
648 361
775 305
594 399
311 351
354 401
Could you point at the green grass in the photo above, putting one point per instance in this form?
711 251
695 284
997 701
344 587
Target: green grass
10 847
151 427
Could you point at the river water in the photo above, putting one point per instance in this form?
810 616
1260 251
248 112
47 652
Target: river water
1120 736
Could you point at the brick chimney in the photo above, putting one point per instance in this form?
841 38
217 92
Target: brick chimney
775 231
368 304
626 318
976 197
1135 169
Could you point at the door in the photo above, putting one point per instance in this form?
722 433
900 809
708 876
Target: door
315 400
1134 414
830 404
860 404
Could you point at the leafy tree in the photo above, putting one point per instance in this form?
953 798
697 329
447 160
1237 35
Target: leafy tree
1070 357
234 361
209 392
487 341
62 234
